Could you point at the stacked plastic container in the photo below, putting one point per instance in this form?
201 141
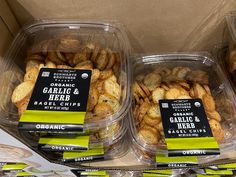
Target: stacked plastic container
81 44
155 173
79 172
104 49
227 57
178 76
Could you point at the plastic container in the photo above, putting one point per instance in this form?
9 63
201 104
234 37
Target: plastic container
143 174
142 155
134 174
8 80
117 173
114 147
226 55
41 39
112 150
109 173
218 85
105 136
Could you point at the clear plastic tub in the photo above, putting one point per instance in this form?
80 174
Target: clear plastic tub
142 154
112 150
226 52
143 174
117 173
134 174
195 68
69 43
110 173
105 136
8 80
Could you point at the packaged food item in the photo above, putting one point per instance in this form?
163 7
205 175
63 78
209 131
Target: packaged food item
103 135
160 160
166 172
53 146
227 166
226 55
157 173
225 52
179 77
117 173
85 148
112 150
134 173
100 173
101 48
230 19
208 171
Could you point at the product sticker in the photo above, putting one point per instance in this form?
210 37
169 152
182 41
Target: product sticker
64 143
186 128
83 156
60 134
230 166
24 174
89 172
154 175
200 175
14 167
58 102
4 163
158 172
175 162
218 172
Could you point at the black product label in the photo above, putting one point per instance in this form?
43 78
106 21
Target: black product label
12 171
175 162
186 128
89 172
48 147
64 143
58 102
84 156
175 165
184 118
24 174
84 159
50 127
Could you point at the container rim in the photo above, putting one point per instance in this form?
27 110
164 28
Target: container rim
205 57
